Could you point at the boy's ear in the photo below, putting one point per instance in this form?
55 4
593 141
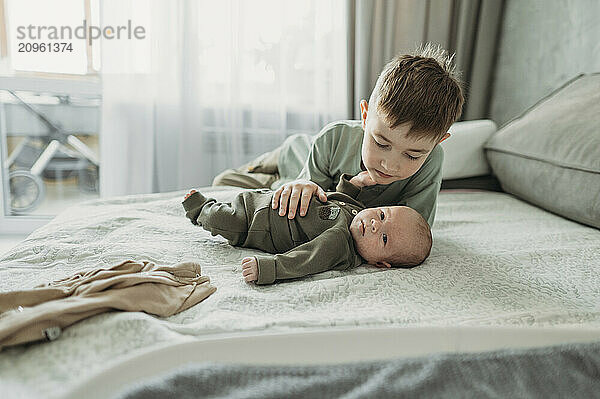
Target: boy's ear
364 108
383 264
444 138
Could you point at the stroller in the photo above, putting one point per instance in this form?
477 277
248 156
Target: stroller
45 156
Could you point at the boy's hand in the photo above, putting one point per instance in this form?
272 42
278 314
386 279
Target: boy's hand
250 269
299 190
362 179
190 193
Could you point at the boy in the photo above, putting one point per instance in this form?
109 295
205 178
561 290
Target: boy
392 151
337 234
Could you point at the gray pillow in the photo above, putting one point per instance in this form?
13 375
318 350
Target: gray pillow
550 155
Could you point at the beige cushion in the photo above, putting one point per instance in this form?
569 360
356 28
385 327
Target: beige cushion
550 155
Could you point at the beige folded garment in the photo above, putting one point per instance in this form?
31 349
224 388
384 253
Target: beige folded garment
42 312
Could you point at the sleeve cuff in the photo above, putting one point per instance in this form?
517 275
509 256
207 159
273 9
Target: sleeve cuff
266 269
193 206
344 186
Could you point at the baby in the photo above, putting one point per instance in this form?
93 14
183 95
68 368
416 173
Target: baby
336 234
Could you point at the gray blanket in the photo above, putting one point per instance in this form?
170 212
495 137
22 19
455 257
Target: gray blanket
571 370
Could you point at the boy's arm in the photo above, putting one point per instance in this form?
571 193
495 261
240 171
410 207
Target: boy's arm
422 190
316 167
330 250
335 146
313 180
425 201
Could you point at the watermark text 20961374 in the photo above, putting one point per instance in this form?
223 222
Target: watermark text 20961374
45 47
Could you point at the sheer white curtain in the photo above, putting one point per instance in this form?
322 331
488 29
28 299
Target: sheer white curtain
214 84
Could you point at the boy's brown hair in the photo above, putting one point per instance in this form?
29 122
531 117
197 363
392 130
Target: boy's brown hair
422 88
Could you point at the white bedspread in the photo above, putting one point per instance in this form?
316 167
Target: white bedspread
496 261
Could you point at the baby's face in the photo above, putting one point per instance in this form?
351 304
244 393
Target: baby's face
377 233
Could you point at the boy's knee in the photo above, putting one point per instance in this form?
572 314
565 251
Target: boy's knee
238 178
266 163
232 177
223 178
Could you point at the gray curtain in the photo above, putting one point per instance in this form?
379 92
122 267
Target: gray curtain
379 29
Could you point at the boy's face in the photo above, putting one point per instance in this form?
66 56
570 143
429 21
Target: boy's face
388 154
378 232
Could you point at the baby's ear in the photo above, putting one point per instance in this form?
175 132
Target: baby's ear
383 264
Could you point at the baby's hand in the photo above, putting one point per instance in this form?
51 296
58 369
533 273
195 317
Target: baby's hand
250 269
362 179
190 193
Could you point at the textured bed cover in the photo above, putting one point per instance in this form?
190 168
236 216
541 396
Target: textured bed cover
496 261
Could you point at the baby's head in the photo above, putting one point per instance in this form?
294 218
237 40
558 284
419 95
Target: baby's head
391 236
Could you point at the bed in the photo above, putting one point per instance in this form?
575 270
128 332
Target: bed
502 273
508 270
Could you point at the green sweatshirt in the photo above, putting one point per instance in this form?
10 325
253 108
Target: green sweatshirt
337 150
